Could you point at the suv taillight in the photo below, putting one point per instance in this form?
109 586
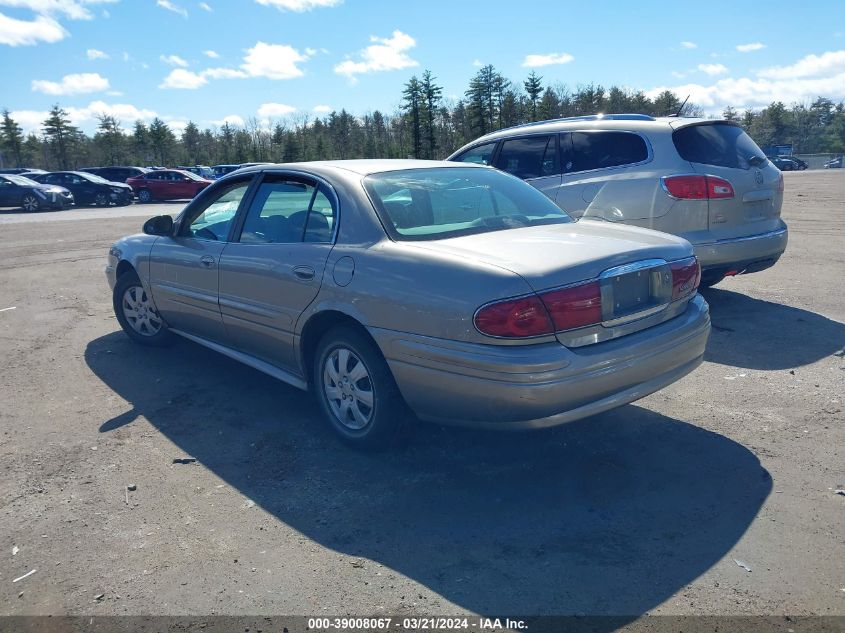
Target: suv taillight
686 275
693 187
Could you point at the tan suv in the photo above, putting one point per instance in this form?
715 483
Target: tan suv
704 180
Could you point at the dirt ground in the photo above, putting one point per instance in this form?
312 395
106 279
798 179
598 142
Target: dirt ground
653 508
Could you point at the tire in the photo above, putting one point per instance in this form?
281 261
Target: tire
145 196
101 200
364 426
708 281
147 328
30 203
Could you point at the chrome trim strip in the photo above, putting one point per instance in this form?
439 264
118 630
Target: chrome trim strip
246 359
632 267
747 238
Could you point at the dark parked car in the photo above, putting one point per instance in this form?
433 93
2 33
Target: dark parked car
788 163
117 174
834 163
17 191
89 188
167 184
222 170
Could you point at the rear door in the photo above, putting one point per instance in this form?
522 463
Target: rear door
274 269
534 159
724 150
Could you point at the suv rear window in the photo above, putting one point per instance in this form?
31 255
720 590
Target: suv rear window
599 150
720 144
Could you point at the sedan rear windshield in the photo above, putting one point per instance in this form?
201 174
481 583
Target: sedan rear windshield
720 144
426 204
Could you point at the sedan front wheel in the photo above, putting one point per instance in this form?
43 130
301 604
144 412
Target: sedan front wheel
356 390
30 203
136 312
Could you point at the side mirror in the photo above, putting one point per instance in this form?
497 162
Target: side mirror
159 225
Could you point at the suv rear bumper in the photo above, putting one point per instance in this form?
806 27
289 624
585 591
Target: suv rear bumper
743 254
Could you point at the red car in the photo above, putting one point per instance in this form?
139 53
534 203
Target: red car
167 184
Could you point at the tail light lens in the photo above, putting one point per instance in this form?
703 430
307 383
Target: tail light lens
693 187
574 307
686 275
526 316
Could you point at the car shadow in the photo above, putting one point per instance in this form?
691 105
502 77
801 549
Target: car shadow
608 515
758 334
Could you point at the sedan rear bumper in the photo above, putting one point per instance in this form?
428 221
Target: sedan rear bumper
743 252
535 386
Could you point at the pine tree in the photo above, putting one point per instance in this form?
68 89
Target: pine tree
11 138
431 96
161 141
60 135
191 143
534 88
110 138
412 105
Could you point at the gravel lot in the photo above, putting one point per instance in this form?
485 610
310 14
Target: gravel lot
640 510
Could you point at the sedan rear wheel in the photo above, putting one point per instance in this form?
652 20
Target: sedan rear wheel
30 203
145 196
356 390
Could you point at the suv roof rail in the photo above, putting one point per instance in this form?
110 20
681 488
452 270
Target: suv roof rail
589 117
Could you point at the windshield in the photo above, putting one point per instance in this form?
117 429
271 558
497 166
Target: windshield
425 204
23 181
190 175
720 144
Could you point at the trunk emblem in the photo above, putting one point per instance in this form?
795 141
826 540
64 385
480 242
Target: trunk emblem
758 176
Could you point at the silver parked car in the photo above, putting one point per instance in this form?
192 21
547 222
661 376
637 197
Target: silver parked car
704 180
456 291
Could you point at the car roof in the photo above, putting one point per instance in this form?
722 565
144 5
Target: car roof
362 167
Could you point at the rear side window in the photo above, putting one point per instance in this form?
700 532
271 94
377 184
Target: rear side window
530 157
599 150
286 212
478 155
719 144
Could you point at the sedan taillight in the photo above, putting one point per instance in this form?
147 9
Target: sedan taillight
574 307
694 187
514 318
686 275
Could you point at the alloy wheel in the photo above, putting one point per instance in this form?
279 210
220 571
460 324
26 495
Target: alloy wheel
348 388
140 312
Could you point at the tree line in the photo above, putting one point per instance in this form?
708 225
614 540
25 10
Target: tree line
425 125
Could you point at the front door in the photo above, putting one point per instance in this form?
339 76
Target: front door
184 268
274 269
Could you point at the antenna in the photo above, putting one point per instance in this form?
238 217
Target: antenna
681 109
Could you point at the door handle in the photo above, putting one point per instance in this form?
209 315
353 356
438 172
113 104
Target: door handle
305 273
207 261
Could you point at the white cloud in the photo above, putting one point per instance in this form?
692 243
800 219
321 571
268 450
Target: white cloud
273 61
93 53
477 63
28 32
71 9
689 45
170 6
75 84
803 81
323 109
205 7
748 48
270 110
179 78
712 69
298 5
173 60
211 54
827 63
223 73
536 61
232 119
384 54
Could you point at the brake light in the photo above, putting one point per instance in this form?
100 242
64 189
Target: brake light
694 187
686 275
526 316
574 307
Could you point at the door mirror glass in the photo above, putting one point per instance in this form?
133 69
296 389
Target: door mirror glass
159 225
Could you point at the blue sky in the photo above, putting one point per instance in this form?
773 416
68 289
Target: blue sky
235 59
